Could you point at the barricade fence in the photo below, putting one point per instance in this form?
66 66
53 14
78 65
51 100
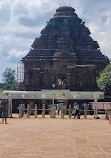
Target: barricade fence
70 112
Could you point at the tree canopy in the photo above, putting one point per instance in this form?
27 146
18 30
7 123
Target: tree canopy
9 79
104 80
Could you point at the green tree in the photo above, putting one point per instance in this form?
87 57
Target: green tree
104 80
9 79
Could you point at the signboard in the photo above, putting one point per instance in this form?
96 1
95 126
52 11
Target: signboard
60 96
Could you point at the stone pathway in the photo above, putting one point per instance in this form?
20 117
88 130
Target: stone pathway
55 138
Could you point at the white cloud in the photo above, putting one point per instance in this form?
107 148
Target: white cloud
14 53
22 20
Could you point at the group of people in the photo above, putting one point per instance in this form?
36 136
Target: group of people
75 110
85 106
4 110
59 83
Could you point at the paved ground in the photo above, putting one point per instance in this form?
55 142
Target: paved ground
55 138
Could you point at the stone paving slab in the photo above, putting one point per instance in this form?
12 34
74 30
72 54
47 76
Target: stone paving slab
55 138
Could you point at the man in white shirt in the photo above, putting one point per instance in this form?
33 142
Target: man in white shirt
77 111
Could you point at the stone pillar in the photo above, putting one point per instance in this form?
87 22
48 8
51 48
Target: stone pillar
95 108
85 112
43 108
43 111
52 101
63 111
53 112
35 112
9 106
106 114
28 111
69 111
20 111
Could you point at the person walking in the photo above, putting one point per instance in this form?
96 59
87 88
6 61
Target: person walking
85 107
77 111
58 108
4 109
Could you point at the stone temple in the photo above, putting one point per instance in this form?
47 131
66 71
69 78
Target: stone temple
64 56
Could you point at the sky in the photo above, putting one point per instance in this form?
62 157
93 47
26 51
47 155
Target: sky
21 21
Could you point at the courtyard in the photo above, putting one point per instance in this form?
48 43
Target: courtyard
55 138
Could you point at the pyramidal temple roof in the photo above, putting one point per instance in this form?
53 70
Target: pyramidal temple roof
65 11
65 37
